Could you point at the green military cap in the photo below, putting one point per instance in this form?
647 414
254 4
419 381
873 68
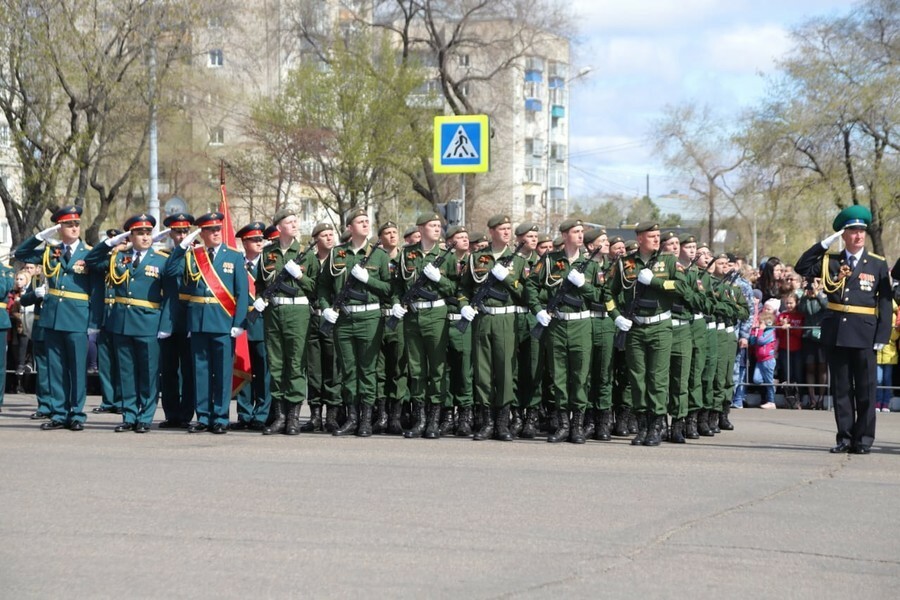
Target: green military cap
410 230
497 220
427 218
320 227
722 256
668 236
853 217
544 238
616 240
591 235
687 238
283 214
345 237
455 230
644 227
631 246
387 225
558 241
525 227
477 238
702 245
355 214
569 224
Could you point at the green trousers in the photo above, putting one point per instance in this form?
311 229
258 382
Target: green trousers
137 358
570 361
393 369
426 348
680 370
723 388
709 369
493 354
698 362
357 341
458 373
647 352
321 367
600 388
67 359
287 336
529 363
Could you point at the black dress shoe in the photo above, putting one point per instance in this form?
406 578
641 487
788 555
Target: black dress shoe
196 427
123 427
173 425
861 450
218 428
238 426
52 425
256 426
142 428
38 415
76 426
841 448
102 409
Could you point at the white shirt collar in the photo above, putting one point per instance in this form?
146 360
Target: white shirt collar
858 255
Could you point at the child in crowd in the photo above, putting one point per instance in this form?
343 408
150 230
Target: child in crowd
886 359
765 349
790 344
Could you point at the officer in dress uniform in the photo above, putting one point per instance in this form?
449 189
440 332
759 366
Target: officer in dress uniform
135 317
103 293
253 400
217 292
857 324
66 314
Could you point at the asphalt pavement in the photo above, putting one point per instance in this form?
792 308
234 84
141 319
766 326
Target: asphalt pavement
761 512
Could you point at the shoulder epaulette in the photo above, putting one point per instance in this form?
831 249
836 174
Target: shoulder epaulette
88 246
873 255
163 253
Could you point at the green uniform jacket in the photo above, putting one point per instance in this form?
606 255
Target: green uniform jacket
336 269
413 259
479 268
657 297
548 276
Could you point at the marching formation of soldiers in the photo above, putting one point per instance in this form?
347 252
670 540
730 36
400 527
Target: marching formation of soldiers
512 338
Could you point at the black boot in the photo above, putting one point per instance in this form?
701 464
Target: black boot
690 431
576 435
632 422
516 422
433 429
365 421
655 425
464 425
350 424
446 427
642 429
20 388
713 421
315 419
602 430
530 428
418 426
724 422
487 425
278 421
703 423
562 432
292 425
394 425
589 423
503 433
676 436
331 422
623 414
381 417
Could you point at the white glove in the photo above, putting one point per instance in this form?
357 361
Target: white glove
543 317
294 269
468 313
500 272
117 239
360 273
831 238
576 278
623 323
189 239
236 331
432 272
398 312
160 236
645 276
92 331
879 347
162 335
48 233
40 291
260 304
330 315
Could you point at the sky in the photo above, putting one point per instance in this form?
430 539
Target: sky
647 54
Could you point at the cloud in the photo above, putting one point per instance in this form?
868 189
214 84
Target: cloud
746 49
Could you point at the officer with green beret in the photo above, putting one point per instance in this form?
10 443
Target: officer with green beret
393 369
458 373
358 326
644 282
494 334
544 244
286 320
425 325
66 315
529 359
569 329
324 389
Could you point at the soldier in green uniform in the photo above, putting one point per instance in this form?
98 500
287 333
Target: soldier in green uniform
731 308
425 325
569 330
393 368
649 339
136 319
693 262
254 400
529 363
494 330
287 317
66 315
712 317
411 235
458 374
324 389
358 327
624 423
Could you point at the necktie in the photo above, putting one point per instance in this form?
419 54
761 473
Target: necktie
249 266
137 260
68 252
212 254
851 260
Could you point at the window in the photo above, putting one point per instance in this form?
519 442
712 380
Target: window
534 63
4 136
534 175
463 60
464 89
216 58
216 136
530 200
533 89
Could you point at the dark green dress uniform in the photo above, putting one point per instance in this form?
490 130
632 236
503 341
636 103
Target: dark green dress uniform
682 355
569 335
736 310
603 333
458 373
65 317
7 283
287 321
392 368
700 306
649 341
357 336
321 364
254 400
39 354
107 369
529 363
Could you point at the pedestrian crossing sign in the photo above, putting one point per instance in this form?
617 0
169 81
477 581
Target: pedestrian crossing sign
461 144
